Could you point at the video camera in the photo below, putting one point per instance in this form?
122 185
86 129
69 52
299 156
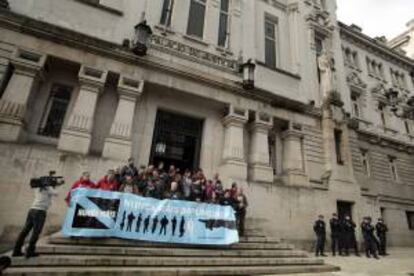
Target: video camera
47 181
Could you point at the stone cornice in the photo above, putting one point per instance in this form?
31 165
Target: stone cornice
60 35
374 46
378 139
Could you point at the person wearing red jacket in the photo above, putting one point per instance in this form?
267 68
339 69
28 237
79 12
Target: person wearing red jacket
109 182
83 182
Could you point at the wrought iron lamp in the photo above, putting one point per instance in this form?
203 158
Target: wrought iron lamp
142 38
247 69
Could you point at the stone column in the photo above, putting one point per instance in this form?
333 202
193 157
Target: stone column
293 157
259 158
28 69
118 145
234 165
76 135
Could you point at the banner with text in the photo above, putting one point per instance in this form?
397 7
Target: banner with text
95 213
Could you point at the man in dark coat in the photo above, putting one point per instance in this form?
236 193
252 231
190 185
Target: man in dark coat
382 229
369 238
349 238
319 228
335 234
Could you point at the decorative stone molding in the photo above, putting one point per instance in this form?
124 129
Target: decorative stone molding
355 82
28 69
186 51
76 135
119 145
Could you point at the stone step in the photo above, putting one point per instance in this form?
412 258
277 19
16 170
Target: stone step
122 261
59 239
131 251
168 271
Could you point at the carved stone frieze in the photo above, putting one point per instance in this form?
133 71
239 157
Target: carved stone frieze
163 43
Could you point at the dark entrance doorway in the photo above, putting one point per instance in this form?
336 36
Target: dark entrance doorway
177 140
344 208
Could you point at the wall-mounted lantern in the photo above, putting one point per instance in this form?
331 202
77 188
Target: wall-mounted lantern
247 69
142 38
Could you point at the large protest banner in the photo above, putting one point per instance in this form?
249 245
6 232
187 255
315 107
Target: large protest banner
95 213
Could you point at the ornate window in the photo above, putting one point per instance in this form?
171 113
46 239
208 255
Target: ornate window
271 36
407 126
351 58
356 105
6 79
166 13
398 79
393 167
410 220
338 146
375 69
55 111
196 18
224 24
365 162
383 116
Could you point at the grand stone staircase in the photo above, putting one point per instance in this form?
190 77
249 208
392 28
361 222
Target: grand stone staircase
254 255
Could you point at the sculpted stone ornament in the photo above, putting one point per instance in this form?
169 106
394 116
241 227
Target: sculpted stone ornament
326 69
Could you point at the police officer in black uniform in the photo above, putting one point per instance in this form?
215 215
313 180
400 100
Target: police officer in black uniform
349 235
382 229
319 228
335 234
369 238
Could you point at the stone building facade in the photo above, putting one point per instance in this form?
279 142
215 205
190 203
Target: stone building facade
306 140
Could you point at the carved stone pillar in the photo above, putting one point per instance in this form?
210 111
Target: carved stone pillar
293 158
28 70
259 158
76 135
118 145
234 165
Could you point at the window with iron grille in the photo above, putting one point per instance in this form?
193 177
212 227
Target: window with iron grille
196 18
270 41
166 13
55 111
223 32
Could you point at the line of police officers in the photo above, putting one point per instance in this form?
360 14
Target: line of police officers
343 236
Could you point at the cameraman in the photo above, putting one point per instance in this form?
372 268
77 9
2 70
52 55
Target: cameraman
35 221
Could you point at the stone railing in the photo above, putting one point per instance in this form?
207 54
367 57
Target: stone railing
165 44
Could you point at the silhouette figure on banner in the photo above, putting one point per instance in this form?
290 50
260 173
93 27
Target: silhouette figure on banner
146 224
174 225
139 220
122 225
164 223
131 218
154 224
182 227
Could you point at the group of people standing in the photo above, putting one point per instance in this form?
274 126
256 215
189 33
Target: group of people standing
343 236
156 182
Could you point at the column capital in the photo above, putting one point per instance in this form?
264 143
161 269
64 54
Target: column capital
130 88
262 122
292 134
92 79
28 63
236 116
